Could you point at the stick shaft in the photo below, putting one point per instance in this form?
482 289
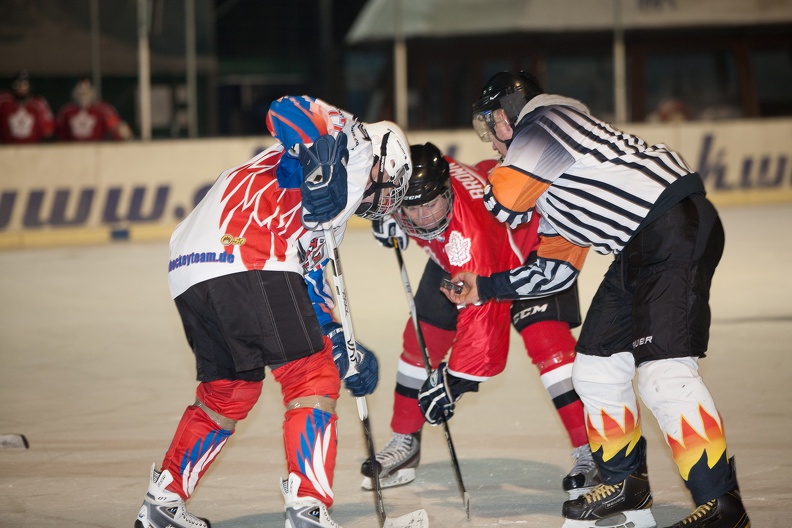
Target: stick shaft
349 334
427 364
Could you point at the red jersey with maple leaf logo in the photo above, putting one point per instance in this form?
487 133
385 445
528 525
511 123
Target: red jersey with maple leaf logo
24 121
474 239
95 123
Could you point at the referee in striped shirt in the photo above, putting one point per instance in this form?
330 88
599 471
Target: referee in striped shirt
597 187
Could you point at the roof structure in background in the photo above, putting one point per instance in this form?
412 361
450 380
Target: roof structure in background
386 19
53 37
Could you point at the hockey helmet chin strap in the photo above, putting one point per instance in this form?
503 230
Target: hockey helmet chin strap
376 187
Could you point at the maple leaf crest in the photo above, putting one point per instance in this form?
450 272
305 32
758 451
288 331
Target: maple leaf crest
457 249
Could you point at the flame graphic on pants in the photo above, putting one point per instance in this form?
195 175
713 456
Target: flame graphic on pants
692 446
614 437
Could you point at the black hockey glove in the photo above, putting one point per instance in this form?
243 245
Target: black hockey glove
324 186
440 392
367 377
386 229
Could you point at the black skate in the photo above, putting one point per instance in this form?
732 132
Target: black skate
623 505
397 461
584 474
727 511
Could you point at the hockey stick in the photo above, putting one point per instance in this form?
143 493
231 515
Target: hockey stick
418 518
13 441
428 366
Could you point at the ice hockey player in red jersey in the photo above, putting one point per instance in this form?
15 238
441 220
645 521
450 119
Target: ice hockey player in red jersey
85 118
601 188
24 117
238 270
443 212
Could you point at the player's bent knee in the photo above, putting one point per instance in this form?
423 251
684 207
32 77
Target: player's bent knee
658 379
596 370
225 401
314 375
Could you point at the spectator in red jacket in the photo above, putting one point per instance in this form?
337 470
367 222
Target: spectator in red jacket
87 119
24 117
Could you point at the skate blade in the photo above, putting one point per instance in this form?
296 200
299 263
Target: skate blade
13 441
400 478
416 519
627 519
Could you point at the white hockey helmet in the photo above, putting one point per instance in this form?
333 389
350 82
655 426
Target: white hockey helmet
392 151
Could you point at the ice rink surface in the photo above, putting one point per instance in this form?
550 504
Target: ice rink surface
96 373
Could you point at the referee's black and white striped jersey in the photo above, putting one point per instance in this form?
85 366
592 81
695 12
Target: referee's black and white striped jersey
593 185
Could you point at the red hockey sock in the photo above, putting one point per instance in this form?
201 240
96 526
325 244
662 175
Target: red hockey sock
199 438
551 347
310 439
407 417
309 433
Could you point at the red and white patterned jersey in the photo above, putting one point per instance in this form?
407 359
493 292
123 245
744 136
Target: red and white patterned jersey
247 222
97 122
26 121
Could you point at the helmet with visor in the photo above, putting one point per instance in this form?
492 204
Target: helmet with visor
501 102
384 193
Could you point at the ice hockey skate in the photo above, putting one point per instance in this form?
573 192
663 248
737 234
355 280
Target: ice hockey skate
727 511
397 460
165 509
304 512
623 505
584 474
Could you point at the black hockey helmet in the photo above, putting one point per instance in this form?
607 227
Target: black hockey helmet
430 175
507 91
430 179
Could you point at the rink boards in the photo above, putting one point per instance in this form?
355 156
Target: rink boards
55 194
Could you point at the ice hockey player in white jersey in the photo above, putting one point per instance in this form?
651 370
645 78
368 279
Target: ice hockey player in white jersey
238 272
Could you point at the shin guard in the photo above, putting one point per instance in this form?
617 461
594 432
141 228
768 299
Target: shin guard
675 393
551 347
309 429
204 429
605 387
310 439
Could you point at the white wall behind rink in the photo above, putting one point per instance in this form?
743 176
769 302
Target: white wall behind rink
83 193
